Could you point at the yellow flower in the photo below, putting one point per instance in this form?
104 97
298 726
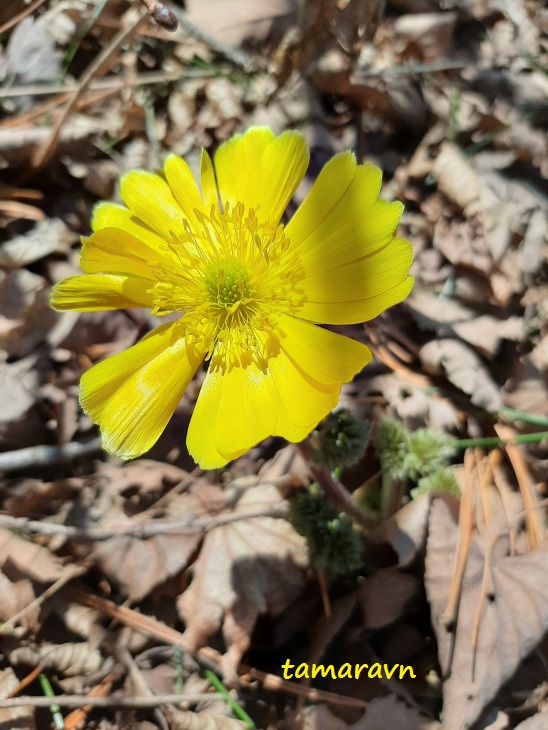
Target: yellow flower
249 291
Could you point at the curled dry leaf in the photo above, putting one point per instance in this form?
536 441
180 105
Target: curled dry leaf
180 720
513 619
68 659
457 178
464 369
12 718
26 315
245 568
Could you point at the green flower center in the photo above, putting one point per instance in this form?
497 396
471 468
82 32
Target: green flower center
227 283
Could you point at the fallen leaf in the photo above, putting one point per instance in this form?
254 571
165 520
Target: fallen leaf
385 596
245 568
382 713
13 718
462 367
46 237
513 620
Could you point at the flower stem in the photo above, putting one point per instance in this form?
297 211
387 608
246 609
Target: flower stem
524 438
333 489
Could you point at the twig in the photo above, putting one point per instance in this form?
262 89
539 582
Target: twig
334 489
111 82
143 531
50 591
35 456
99 66
111 701
21 16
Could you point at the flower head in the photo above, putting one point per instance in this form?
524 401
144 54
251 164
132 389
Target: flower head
249 292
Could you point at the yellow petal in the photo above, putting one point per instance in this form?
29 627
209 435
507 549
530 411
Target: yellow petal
149 198
133 395
110 215
333 231
101 292
234 411
183 186
261 171
360 310
114 251
240 408
366 277
305 400
325 356
207 182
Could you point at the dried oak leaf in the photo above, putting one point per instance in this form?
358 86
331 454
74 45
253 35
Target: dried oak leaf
140 564
186 720
514 617
69 659
381 713
464 369
245 568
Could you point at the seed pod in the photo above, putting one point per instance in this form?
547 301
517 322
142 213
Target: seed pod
165 17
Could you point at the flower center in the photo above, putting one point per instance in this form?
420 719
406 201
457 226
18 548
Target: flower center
227 282
230 276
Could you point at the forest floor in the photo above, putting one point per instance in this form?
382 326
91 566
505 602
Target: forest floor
151 594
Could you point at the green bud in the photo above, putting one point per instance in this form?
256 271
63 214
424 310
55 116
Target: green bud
428 450
392 447
341 440
333 544
441 479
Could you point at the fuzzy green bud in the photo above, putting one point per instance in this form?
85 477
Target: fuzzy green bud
341 440
441 479
333 544
392 447
428 450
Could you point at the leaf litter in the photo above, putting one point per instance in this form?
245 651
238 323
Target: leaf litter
449 100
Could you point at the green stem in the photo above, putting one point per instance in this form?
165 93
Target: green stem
55 710
230 701
524 438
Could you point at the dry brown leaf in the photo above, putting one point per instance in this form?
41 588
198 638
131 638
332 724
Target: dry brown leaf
69 659
26 314
406 530
382 713
385 596
462 367
514 617
181 720
245 568
20 421
457 178
46 237
139 565
30 559
429 33
234 21
13 718
15 596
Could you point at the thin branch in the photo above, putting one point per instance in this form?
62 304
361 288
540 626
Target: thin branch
111 701
21 16
334 489
143 531
37 456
